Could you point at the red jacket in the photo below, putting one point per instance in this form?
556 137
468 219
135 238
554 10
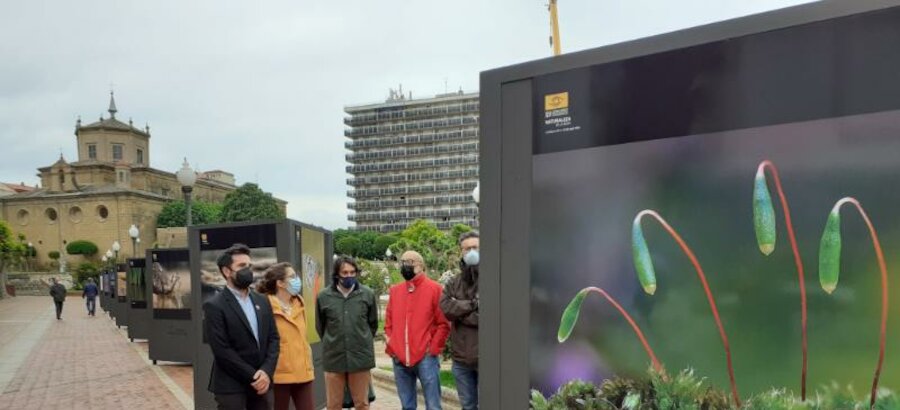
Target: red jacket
414 323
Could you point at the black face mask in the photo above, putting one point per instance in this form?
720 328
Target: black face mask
408 272
243 278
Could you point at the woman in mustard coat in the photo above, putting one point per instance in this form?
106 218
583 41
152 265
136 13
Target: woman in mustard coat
294 372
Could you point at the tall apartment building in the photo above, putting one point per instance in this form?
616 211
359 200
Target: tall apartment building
413 159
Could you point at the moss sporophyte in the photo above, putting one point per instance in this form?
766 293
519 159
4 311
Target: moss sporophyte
830 266
570 317
646 275
764 226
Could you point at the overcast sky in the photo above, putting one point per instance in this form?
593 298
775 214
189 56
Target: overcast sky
259 90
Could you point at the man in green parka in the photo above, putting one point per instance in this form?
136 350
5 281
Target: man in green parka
347 319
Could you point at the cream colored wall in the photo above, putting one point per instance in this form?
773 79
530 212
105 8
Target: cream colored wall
104 139
123 210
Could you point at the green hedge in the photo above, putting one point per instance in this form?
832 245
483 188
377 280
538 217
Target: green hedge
86 248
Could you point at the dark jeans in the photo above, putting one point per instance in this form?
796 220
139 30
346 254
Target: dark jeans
301 393
242 401
466 385
58 309
428 372
91 305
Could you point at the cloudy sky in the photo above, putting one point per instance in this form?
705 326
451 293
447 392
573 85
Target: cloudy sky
259 89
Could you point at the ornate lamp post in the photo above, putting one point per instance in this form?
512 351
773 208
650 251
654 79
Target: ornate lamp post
187 177
133 232
116 247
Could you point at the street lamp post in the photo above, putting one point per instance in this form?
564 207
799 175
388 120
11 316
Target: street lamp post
187 177
28 256
116 247
108 256
133 232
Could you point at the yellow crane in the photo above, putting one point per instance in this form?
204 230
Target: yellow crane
554 25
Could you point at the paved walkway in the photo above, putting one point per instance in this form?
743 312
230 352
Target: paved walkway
84 362
79 362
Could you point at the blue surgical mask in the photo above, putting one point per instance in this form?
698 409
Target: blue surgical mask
348 282
471 258
295 285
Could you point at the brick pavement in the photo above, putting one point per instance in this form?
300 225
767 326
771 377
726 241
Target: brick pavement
80 362
88 363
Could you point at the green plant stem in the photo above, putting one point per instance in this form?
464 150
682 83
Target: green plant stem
637 330
799 263
884 289
709 295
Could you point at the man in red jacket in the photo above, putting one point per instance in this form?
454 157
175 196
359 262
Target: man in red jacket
416 331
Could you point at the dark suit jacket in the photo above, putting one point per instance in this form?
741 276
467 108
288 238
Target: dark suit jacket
237 356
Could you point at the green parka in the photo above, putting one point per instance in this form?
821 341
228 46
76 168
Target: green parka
347 327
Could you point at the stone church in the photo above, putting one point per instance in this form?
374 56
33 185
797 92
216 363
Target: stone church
97 197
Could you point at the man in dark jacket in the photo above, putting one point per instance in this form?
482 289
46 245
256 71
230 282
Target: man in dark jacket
347 319
90 294
460 305
241 332
58 292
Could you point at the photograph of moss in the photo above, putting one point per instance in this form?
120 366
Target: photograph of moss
678 269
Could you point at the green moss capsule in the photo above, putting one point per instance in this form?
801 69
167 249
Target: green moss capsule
570 316
763 214
642 262
830 252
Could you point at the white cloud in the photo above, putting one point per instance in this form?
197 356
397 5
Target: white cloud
258 89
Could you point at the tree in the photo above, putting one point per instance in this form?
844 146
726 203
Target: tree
437 248
86 270
174 214
85 248
12 251
382 244
249 203
348 245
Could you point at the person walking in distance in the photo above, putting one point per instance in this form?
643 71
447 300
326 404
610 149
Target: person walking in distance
58 292
90 295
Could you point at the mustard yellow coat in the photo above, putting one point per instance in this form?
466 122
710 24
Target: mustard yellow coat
295 358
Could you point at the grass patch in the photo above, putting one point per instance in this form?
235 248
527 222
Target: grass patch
447 379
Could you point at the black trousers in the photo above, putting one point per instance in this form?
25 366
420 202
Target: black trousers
58 309
241 401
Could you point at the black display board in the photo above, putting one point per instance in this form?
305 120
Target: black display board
573 147
270 242
112 301
170 300
139 313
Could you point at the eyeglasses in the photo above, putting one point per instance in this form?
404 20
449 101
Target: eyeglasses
409 262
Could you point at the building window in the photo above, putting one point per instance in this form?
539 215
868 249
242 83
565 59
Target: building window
75 214
22 217
140 156
92 151
121 176
51 215
117 152
62 178
102 213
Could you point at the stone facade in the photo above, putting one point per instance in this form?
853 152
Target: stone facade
98 197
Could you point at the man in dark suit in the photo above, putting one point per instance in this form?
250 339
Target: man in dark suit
241 331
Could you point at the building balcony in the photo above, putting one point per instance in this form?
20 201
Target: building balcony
411 113
371 130
407 165
405 203
412 139
413 215
425 189
411 152
422 176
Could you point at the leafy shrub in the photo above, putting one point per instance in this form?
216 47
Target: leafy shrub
86 270
86 248
53 255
